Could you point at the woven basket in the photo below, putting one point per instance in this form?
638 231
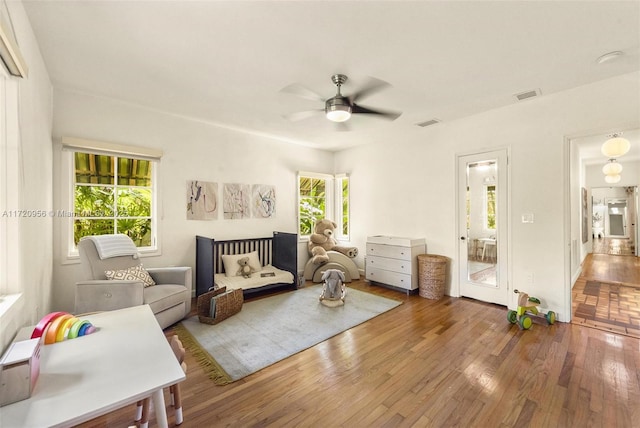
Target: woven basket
228 304
432 275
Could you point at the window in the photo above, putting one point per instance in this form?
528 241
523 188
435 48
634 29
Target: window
343 190
490 207
9 185
112 189
323 196
113 195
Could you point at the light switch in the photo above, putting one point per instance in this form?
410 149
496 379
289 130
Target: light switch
527 218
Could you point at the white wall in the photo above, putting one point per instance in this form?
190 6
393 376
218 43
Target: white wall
192 150
34 184
408 188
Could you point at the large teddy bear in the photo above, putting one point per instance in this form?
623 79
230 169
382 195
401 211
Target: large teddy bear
322 241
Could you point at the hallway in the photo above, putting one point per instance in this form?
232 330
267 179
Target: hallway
609 268
607 294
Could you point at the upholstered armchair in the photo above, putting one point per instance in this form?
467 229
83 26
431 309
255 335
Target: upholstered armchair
169 298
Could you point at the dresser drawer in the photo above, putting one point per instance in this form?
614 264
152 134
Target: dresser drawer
395 265
396 279
402 253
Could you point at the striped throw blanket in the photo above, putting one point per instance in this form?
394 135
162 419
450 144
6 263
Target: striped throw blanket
114 246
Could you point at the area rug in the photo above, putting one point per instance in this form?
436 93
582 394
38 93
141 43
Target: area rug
268 330
606 306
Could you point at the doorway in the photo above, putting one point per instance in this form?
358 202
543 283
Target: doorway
482 225
614 215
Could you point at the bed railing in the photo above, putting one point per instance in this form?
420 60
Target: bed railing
279 251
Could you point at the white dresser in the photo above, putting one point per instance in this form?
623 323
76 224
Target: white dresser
393 260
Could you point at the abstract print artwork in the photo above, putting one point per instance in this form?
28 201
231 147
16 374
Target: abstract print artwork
202 200
263 199
236 201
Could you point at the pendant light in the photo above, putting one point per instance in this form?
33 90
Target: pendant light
612 168
615 146
612 179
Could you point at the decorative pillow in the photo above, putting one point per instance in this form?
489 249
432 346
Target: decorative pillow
230 262
135 273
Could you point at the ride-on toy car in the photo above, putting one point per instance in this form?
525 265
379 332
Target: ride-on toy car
528 306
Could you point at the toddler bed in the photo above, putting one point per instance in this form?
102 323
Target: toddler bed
273 262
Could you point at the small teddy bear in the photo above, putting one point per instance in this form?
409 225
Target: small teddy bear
245 270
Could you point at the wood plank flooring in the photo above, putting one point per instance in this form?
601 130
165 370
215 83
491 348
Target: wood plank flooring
614 246
608 268
452 362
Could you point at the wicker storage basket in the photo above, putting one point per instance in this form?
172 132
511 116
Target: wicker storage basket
432 275
228 304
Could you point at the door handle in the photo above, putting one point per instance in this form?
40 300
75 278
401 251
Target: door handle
462 238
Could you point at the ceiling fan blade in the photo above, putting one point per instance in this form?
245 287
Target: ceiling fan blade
374 85
303 92
300 115
391 115
341 126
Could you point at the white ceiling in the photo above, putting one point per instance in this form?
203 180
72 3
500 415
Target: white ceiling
225 62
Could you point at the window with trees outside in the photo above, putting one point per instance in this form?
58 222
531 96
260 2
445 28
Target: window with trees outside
490 207
113 194
323 196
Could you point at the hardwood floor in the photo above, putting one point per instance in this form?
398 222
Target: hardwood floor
453 362
610 268
607 294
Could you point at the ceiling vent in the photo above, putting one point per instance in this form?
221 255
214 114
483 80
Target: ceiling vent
428 122
526 95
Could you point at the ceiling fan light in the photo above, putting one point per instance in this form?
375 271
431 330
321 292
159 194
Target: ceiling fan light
612 168
612 179
337 109
615 146
338 115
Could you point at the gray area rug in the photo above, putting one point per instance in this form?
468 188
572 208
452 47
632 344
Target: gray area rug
268 330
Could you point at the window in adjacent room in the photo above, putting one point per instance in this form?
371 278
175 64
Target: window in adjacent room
490 207
323 196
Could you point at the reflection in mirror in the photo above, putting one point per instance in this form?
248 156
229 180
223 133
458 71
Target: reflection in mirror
481 222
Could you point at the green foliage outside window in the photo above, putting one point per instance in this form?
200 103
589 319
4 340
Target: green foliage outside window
345 206
491 207
312 203
105 205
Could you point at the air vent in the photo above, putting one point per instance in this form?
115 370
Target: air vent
526 95
428 122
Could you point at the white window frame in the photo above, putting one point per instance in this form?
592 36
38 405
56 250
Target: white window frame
333 202
9 185
69 147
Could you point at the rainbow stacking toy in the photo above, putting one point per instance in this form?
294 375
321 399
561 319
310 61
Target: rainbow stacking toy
61 326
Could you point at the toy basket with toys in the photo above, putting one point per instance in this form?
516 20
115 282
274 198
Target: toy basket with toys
528 306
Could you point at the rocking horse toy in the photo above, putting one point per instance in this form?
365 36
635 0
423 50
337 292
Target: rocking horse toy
528 306
333 289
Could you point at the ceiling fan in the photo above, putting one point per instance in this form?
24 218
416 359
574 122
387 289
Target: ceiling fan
339 108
